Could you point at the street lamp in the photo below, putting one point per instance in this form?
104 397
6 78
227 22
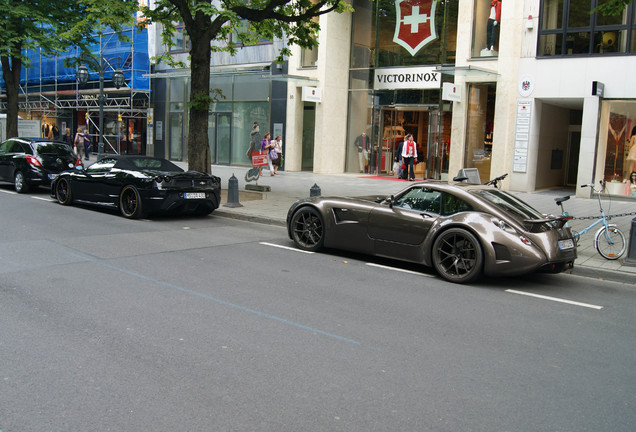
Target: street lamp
118 81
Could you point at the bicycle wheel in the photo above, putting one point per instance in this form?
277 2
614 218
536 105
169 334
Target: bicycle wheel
610 242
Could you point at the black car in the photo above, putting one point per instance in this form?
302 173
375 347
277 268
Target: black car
139 185
32 162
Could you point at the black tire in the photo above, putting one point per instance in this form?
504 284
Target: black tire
610 243
19 182
130 203
63 192
457 256
308 229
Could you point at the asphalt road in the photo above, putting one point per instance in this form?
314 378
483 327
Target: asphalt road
211 324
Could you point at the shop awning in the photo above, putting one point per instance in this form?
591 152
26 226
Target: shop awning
470 72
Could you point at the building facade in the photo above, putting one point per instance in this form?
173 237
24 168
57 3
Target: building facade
538 89
51 93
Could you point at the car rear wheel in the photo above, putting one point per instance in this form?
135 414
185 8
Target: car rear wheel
130 203
308 229
457 256
63 192
20 183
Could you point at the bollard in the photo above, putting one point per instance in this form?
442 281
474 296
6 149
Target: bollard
631 252
314 191
232 193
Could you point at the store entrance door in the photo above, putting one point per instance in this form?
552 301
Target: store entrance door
424 123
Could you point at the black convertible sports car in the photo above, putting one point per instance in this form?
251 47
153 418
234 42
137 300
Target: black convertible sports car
461 230
32 162
139 185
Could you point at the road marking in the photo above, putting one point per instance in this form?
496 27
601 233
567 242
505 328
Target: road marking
286 247
9 192
575 303
400 270
217 300
42 199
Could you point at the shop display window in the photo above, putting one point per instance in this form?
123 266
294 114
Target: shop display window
479 131
617 147
486 28
572 27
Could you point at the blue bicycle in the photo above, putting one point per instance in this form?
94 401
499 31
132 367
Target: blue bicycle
609 241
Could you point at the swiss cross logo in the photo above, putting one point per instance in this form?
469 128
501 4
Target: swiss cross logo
414 24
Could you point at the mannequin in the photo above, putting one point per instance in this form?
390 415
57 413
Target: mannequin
492 31
631 156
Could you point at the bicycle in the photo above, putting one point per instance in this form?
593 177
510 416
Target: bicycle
496 181
609 241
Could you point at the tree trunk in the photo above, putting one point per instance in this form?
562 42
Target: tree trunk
198 143
11 74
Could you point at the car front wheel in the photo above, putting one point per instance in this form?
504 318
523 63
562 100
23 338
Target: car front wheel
20 183
308 229
130 203
63 192
457 256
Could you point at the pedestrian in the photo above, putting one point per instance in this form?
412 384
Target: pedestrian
78 143
255 137
87 144
409 155
277 153
399 160
266 146
68 139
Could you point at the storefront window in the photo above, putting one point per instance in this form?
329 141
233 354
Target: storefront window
617 144
479 131
486 28
570 27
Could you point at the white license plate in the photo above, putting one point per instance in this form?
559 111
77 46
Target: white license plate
194 195
566 244
53 176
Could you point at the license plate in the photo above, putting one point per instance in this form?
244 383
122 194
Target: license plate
566 244
53 176
194 195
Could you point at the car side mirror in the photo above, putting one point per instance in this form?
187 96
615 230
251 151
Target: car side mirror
390 201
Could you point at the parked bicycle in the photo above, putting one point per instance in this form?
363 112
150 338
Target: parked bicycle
609 241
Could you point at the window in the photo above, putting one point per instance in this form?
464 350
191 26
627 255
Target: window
420 199
243 35
570 27
180 40
103 165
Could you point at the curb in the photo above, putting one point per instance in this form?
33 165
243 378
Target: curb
601 274
250 218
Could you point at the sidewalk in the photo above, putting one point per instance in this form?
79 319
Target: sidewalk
287 187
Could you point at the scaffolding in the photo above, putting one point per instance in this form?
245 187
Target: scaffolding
49 88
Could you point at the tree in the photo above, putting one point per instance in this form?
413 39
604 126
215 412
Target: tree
612 7
52 26
208 21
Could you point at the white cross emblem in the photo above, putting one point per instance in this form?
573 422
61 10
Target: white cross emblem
415 19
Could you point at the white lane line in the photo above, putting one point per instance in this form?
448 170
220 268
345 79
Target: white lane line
555 299
42 199
399 270
9 192
285 247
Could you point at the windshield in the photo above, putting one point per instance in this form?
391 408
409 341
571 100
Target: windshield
153 164
509 204
57 149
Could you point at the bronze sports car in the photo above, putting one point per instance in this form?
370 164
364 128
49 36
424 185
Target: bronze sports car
461 230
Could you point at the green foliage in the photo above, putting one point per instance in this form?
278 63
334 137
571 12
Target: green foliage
612 7
202 101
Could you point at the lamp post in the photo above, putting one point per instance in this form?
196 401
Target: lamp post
118 81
